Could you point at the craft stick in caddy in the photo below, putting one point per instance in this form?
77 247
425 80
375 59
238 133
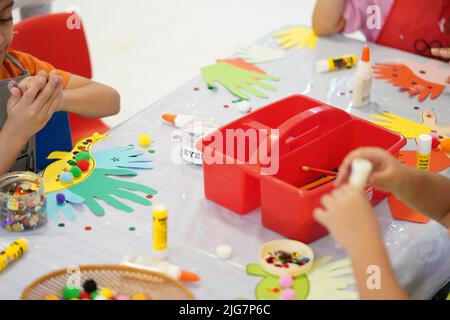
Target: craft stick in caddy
363 80
12 253
327 172
165 267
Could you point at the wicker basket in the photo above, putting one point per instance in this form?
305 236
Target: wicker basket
123 280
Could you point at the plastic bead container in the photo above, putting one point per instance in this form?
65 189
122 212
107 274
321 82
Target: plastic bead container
22 202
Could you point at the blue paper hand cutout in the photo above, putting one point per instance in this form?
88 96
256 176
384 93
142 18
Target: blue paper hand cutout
53 207
122 157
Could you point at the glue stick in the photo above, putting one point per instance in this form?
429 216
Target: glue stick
424 152
363 80
332 64
361 169
159 232
12 253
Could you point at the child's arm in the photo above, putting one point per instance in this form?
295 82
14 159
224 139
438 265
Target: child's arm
89 98
85 97
28 112
327 17
419 189
349 217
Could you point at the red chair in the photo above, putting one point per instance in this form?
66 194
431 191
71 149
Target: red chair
50 39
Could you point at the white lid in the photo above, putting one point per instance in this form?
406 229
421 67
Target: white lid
173 271
424 144
322 66
361 169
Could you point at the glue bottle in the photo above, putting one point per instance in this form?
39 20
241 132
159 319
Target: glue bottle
424 152
159 232
12 253
363 80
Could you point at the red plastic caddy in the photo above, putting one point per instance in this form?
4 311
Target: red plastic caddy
244 169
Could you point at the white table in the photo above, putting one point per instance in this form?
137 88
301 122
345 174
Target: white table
419 253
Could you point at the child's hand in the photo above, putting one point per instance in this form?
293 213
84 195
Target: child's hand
348 216
30 110
387 172
442 53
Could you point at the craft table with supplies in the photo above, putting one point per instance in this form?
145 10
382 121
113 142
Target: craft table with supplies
419 252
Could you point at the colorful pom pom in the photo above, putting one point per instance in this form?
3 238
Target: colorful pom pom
288 294
71 293
83 156
76 172
445 145
145 140
139 296
66 177
60 198
286 281
107 293
83 165
90 286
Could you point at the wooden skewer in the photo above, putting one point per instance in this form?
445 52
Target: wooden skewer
327 172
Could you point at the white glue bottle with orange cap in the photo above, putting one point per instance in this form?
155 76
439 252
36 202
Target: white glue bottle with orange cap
363 80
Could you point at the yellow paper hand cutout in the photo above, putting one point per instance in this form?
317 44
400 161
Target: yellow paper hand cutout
408 128
299 36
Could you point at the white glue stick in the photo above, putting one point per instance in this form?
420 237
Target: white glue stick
424 152
361 169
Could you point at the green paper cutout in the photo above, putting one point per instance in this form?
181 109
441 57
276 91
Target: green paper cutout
264 288
237 80
326 280
99 186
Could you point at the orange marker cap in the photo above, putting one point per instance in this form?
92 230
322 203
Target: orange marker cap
365 54
169 118
188 276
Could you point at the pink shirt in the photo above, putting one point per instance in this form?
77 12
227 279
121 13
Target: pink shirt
357 17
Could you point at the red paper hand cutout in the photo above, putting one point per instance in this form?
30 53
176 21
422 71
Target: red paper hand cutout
400 211
401 76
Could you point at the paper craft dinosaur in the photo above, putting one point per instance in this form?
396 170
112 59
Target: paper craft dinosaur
95 183
427 80
325 281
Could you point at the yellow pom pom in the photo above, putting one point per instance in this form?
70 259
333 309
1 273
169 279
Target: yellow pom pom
139 296
107 293
145 140
52 298
445 145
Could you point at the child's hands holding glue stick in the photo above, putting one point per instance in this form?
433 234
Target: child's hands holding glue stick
387 172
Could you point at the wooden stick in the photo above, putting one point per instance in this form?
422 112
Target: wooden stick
327 172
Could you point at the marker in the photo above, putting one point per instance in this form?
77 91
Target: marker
160 232
164 267
424 152
12 253
361 169
337 63
363 80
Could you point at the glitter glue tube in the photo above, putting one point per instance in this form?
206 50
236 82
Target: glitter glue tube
424 152
361 169
337 63
12 253
160 232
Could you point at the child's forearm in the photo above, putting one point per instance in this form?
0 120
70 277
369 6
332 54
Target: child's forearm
375 278
327 18
11 144
92 100
426 192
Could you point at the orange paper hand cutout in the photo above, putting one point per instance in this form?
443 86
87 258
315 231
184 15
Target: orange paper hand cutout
401 76
439 161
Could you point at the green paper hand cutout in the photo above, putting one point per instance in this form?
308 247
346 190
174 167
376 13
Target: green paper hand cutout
325 281
236 80
270 289
99 186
